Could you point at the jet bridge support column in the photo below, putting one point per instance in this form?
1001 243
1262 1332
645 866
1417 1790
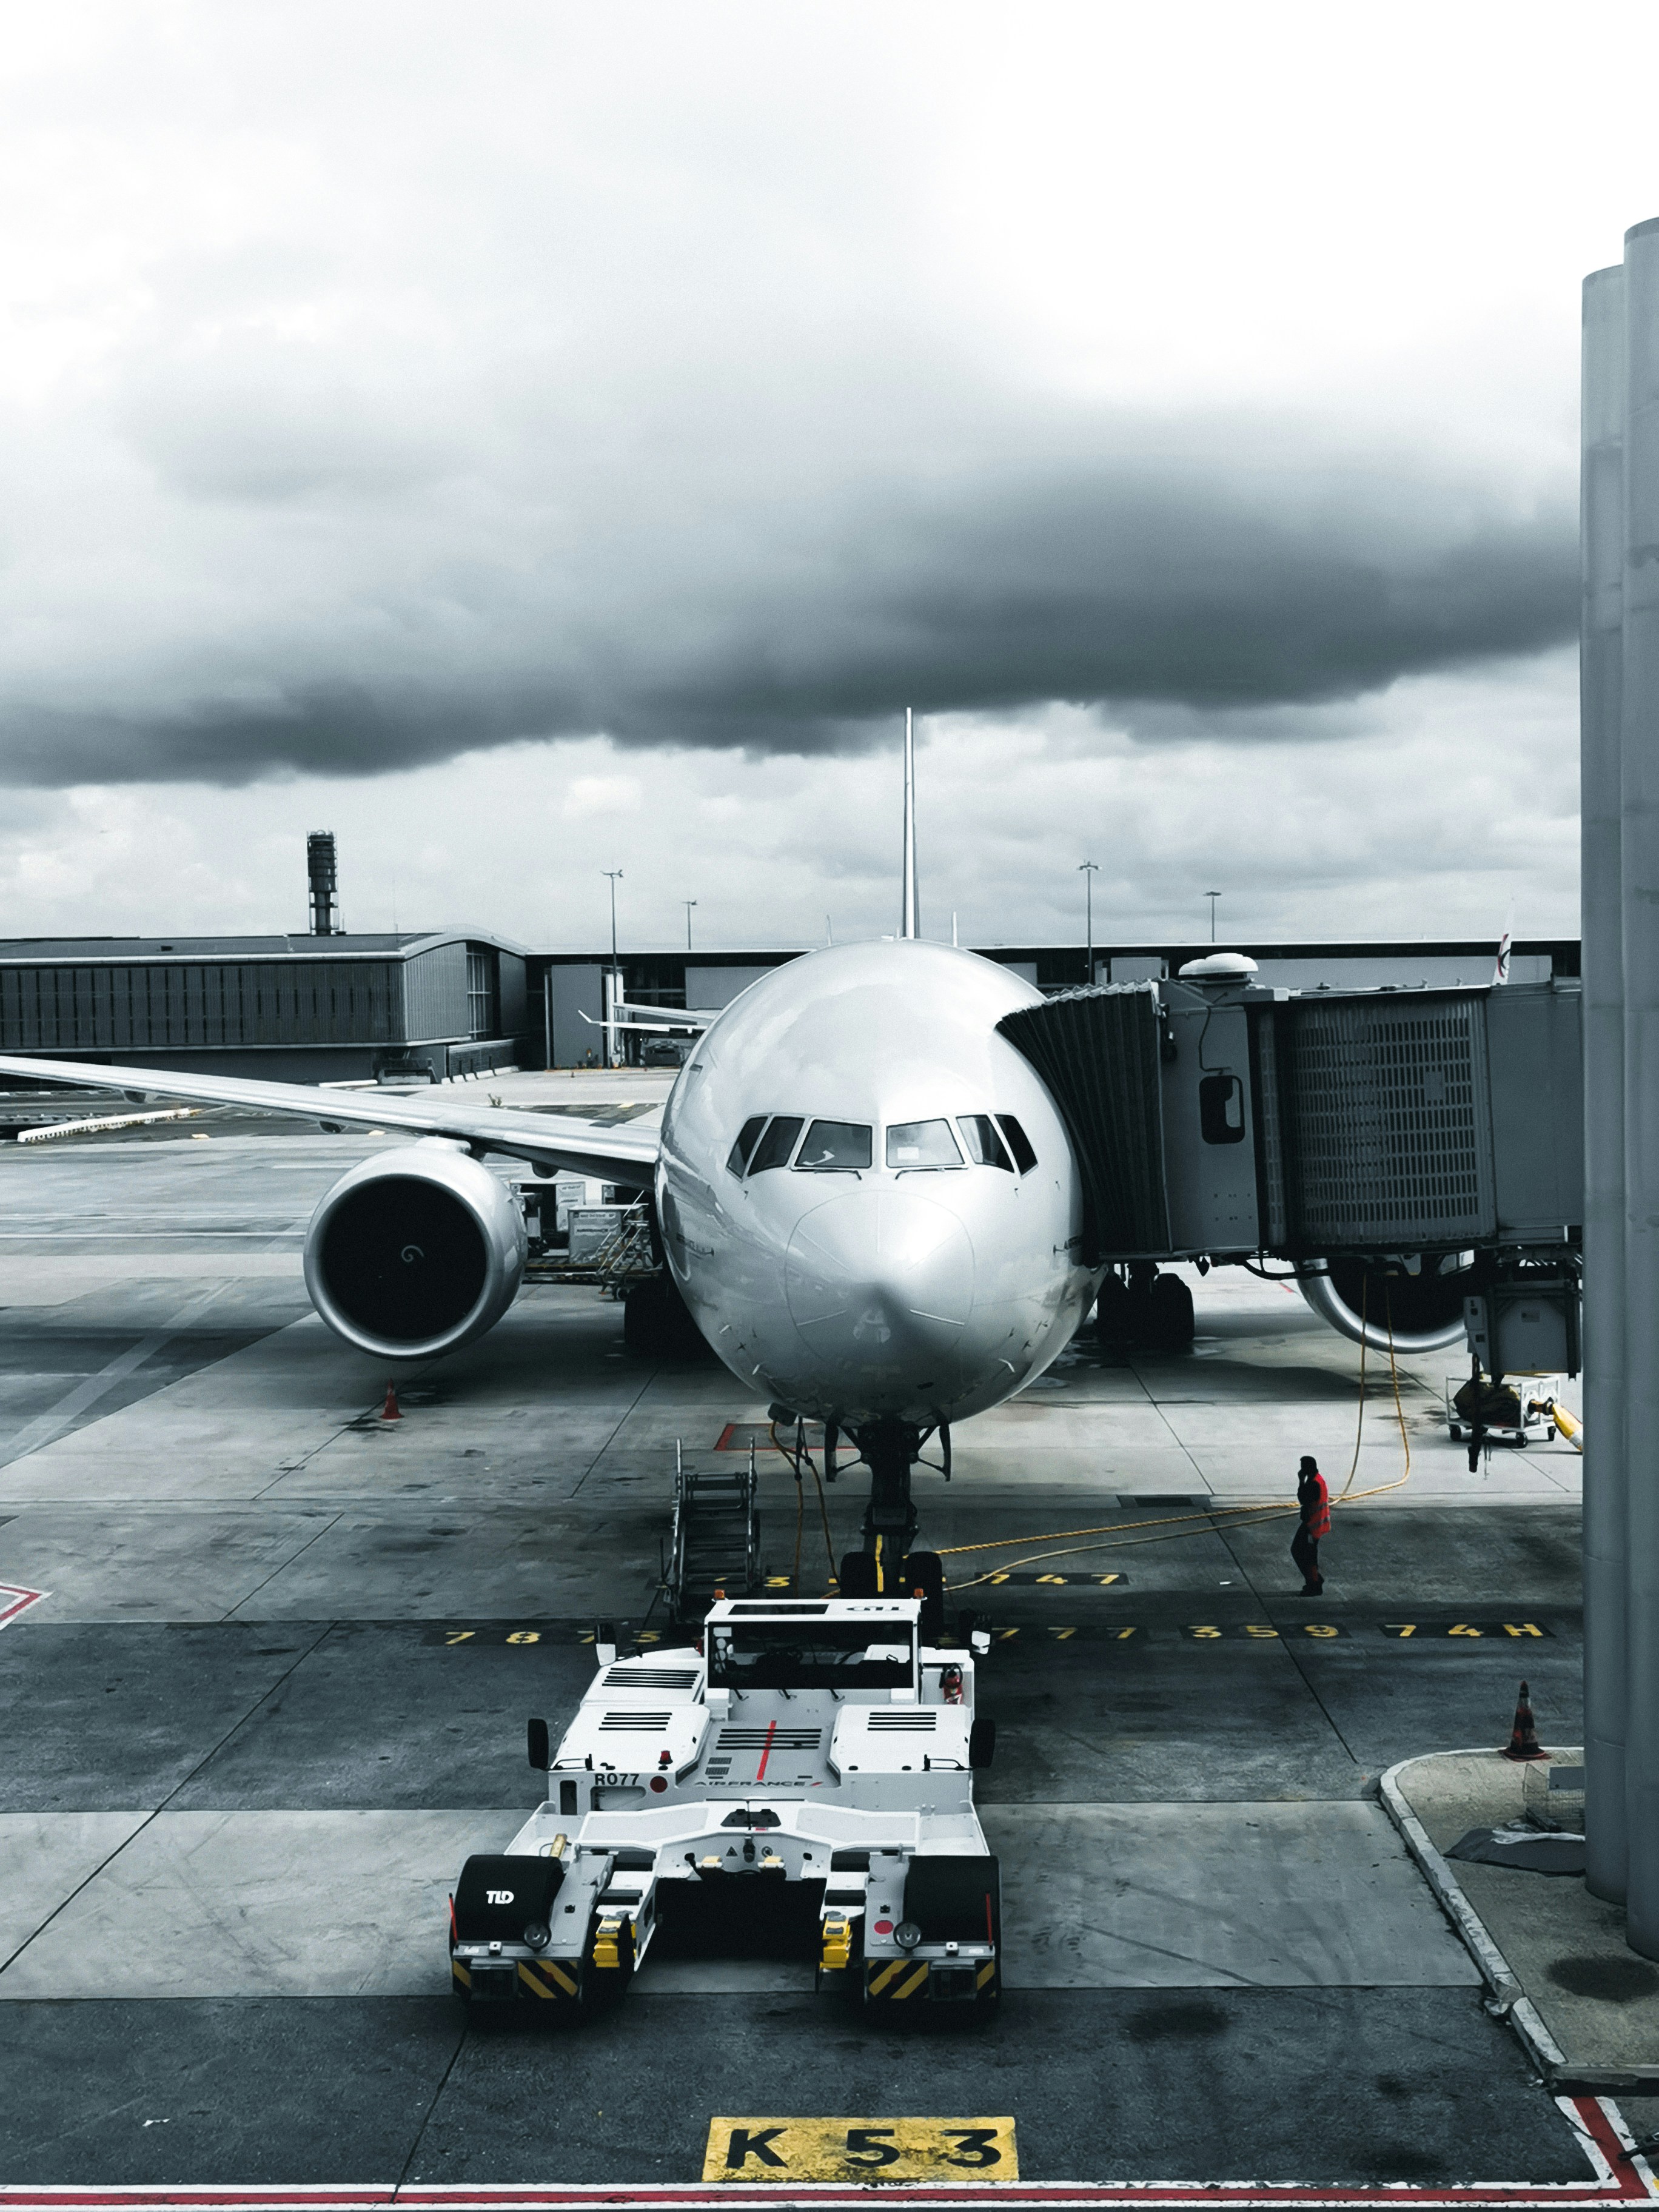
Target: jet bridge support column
1605 1540
1639 863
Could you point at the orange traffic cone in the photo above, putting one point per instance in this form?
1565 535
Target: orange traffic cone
1523 1736
389 1411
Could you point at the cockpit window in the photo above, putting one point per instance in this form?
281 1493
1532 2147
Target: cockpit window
738 1158
922 1145
836 1144
1018 1143
984 1147
775 1146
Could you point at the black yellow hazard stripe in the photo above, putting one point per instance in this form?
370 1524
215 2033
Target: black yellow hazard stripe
546 1977
904 1978
885 1980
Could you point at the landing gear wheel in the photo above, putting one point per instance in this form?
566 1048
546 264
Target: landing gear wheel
657 1323
1114 1311
1170 1324
923 1576
858 1575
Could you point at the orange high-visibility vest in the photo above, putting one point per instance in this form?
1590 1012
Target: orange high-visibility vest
1316 1512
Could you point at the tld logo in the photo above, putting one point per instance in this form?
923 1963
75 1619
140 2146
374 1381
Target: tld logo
499 1896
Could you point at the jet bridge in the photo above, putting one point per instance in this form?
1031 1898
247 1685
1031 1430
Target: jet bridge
1406 1152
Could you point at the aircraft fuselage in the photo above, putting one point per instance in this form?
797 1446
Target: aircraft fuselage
910 1249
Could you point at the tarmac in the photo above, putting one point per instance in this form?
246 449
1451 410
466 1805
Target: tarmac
1586 2005
273 1690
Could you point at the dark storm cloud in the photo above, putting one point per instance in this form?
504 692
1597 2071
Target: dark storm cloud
742 598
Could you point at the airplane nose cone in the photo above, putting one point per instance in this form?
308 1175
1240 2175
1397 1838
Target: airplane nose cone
878 1276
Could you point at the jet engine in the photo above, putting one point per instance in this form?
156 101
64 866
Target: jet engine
1374 1302
415 1252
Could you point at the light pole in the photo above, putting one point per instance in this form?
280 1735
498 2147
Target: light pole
687 904
1088 870
1213 896
611 994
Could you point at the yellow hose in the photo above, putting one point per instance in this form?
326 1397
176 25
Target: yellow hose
1567 1426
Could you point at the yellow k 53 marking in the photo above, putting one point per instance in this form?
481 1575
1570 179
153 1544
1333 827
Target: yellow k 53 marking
854 2150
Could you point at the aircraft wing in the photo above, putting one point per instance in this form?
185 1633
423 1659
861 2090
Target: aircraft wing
626 1154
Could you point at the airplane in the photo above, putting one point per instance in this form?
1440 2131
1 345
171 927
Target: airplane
866 1198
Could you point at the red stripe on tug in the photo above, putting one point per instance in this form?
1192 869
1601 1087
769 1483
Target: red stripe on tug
766 1751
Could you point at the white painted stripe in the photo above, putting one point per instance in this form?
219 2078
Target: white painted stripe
15 1600
51 1424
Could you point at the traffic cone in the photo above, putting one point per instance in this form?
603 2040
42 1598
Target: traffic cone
1523 1736
389 1411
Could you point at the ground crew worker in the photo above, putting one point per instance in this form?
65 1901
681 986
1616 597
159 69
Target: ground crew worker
1314 1499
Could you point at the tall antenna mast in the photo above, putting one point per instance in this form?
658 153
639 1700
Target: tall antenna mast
910 919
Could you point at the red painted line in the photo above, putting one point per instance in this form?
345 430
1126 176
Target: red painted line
1624 2185
15 1599
1593 2118
766 1751
1006 2196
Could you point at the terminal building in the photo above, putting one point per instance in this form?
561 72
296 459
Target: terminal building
302 1009
573 991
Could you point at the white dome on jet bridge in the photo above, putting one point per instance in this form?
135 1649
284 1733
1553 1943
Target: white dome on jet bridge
1218 967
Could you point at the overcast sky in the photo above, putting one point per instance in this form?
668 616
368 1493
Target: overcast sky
538 439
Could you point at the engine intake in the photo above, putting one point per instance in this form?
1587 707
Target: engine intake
414 1253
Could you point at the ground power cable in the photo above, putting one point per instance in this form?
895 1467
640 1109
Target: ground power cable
1194 1524
1248 1514
797 1455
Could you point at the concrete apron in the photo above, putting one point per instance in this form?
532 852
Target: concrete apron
1553 1957
307 1903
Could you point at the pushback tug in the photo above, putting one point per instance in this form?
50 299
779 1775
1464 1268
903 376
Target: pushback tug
818 1748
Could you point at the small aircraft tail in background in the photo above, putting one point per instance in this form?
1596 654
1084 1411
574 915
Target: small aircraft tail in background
1500 974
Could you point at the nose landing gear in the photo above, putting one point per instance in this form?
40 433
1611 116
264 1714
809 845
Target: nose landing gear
888 1566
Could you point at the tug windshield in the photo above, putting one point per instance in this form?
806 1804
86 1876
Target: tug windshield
817 1655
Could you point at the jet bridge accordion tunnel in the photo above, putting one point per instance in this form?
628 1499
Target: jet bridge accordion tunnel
1414 1157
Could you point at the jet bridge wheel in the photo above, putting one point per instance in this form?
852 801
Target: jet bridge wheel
1152 1311
714 1543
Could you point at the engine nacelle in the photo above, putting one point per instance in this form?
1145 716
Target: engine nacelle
415 1252
1373 1305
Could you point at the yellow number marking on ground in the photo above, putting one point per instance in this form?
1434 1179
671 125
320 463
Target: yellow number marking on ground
854 2150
